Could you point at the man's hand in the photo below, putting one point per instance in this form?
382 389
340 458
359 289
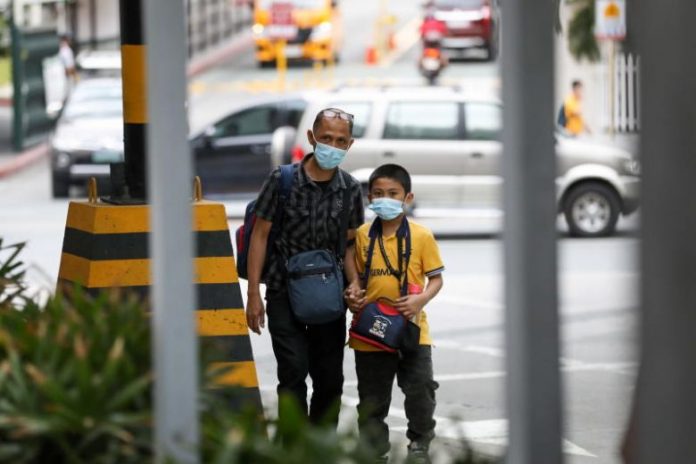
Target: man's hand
255 313
410 305
355 297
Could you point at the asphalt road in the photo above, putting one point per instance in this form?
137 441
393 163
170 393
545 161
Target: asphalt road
598 282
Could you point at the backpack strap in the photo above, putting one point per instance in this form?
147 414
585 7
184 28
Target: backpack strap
345 216
287 175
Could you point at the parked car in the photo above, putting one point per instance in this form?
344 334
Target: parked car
230 155
469 24
88 135
234 153
450 142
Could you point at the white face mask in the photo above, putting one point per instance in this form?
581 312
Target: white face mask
387 208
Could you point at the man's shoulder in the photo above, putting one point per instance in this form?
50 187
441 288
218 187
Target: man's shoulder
351 182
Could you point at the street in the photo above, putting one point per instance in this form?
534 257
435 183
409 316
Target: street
598 295
598 278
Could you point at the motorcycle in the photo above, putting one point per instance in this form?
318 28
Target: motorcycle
431 64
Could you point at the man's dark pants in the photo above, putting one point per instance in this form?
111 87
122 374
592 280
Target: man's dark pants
302 349
414 373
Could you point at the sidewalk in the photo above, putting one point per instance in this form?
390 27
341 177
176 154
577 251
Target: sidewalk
12 162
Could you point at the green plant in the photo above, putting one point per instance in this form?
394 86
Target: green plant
581 40
75 382
12 273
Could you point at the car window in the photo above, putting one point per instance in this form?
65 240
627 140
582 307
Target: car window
296 109
483 121
422 120
252 121
361 112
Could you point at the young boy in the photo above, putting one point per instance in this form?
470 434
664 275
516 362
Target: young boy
389 190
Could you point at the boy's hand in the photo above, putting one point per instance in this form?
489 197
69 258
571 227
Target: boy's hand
355 297
410 305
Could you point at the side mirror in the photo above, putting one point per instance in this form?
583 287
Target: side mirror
281 145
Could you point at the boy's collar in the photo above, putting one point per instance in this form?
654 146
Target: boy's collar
376 228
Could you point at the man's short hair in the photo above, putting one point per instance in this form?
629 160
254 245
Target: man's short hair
394 172
320 117
576 83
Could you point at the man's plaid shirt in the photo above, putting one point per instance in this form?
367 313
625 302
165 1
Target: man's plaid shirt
312 217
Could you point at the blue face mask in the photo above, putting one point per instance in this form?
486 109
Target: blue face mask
328 157
387 208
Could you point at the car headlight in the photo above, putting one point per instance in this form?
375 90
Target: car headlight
63 160
632 166
322 31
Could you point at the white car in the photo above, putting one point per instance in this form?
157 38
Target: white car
450 143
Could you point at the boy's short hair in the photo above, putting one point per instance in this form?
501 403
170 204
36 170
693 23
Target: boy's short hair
391 171
576 83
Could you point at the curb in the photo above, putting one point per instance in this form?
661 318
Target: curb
24 159
211 59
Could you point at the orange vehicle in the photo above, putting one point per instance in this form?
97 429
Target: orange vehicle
317 26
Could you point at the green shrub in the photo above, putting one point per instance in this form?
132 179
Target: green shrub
12 273
75 382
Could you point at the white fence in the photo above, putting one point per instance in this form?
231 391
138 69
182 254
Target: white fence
626 117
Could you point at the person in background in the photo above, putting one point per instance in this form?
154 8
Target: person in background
572 108
67 58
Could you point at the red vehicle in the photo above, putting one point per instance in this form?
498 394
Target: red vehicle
469 24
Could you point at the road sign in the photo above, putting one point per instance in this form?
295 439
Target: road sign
610 19
282 26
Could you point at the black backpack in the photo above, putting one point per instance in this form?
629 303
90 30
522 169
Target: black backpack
243 233
562 120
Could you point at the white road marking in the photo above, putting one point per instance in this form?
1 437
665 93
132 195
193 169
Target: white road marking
405 38
493 432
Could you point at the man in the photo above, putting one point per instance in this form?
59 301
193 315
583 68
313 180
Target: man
312 220
572 106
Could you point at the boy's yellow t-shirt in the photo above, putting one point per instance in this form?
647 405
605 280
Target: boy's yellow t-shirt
425 262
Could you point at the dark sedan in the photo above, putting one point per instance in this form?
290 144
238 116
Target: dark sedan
231 155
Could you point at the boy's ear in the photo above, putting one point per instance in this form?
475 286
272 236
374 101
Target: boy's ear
409 198
369 198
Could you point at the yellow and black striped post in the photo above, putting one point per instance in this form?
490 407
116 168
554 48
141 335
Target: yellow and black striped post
134 102
106 245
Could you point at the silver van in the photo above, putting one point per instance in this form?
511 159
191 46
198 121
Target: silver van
450 143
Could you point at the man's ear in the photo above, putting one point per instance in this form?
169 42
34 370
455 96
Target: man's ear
350 144
310 138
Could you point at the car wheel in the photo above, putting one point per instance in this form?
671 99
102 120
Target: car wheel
592 209
60 187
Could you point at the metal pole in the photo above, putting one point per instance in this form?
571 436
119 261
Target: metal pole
665 422
533 381
175 345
